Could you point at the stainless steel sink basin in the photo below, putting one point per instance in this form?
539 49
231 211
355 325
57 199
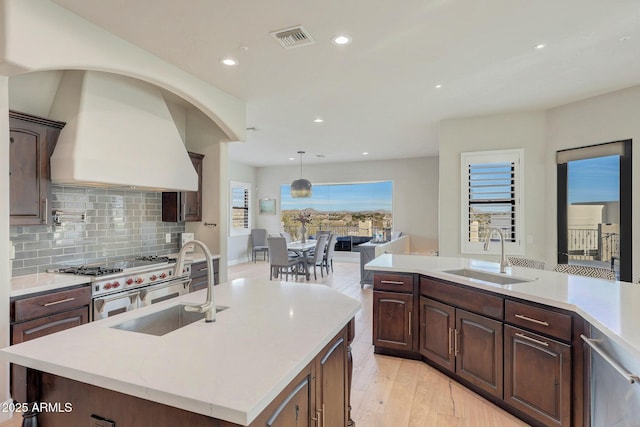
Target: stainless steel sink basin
164 321
500 279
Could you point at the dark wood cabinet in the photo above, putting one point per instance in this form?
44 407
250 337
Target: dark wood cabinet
186 205
394 324
331 384
462 342
478 351
537 379
437 332
36 316
295 404
32 140
199 275
392 320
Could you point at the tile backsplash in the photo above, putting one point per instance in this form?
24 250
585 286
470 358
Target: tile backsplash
119 224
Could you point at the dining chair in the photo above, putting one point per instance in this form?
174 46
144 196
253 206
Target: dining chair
526 262
317 257
587 271
279 260
259 243
286 235
328 253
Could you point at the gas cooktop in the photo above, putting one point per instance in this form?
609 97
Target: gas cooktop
102 269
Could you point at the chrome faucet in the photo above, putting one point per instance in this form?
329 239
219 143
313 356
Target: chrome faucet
504 263
209 306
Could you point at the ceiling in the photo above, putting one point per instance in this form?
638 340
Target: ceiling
378 94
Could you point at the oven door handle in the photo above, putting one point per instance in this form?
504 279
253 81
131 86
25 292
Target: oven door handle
100 302
185 282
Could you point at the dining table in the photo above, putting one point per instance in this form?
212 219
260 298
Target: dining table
302 249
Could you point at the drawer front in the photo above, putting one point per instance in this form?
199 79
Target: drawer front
467 299
32 329
55 302
199 269
393 282
539 319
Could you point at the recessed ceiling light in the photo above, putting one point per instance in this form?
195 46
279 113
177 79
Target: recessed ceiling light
341 40
292 158
318 120
364 153
438 86
625 38
229 61
320 156
540 46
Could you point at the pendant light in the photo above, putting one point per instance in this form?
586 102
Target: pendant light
301 187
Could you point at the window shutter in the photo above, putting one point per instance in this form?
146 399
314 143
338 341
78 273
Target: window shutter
491 200
240 203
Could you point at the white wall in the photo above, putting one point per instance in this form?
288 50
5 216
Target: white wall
415 192
5 272
505 131
606 118
238 246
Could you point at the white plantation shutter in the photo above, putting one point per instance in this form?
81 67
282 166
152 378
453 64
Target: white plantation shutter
240 208
491 197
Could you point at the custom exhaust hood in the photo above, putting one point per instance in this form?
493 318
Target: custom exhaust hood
118 133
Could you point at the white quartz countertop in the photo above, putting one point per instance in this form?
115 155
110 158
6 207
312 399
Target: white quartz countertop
44 282
612 307
231 369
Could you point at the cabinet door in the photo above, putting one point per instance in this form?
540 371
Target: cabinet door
437 327
32 329
479 351
392 320
294 407
193 199
538 376
28 174
331 383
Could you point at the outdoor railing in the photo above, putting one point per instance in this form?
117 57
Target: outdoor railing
591 244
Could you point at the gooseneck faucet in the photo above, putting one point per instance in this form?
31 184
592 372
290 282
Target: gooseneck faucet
209 306
504 263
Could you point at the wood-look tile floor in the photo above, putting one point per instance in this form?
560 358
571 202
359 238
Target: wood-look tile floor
389 391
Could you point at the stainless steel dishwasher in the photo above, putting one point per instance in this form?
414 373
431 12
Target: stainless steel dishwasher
615 385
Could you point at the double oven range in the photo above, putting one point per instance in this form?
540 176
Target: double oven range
126 285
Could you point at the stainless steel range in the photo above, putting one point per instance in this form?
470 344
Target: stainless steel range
122 286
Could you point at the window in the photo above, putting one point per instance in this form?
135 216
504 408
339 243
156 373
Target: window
594 207
355 212
240 208
492 198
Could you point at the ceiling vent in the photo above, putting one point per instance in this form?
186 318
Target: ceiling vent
293 37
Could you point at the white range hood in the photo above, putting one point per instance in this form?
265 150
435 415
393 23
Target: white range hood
118 133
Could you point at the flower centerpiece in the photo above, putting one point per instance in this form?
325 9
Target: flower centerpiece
304 217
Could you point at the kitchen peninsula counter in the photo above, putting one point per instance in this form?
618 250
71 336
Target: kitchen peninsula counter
612 307
229 370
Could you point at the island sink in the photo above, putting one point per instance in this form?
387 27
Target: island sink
164 321
487 277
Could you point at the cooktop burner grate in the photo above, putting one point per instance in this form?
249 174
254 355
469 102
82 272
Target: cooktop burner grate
86 270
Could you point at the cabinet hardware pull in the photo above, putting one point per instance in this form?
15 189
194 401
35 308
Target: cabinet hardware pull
324 415
391 282
57 302
44 216
539 322
455 342
409 323
546 344
593 343
317 417
450 341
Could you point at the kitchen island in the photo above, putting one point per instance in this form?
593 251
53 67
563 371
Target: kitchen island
260 354
551 348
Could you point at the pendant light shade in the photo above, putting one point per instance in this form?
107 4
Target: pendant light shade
301 187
